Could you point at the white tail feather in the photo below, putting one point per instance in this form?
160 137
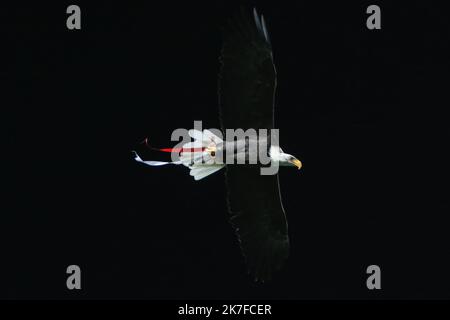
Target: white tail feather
206 137
201 163
201 171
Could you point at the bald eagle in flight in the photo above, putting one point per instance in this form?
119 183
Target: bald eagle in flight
247 83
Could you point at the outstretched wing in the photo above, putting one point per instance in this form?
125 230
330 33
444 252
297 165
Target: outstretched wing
247 78
258 219
246 92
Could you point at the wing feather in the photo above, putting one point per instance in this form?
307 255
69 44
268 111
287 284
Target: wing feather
247 83
247 79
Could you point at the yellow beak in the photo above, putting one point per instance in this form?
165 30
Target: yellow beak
297 163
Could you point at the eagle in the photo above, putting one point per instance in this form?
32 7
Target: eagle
246 90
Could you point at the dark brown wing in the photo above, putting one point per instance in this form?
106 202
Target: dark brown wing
258 218
246 92
247 78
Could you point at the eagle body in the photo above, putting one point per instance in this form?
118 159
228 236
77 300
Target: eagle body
247 84
246 91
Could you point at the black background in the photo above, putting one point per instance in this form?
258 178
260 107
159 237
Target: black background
364 110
